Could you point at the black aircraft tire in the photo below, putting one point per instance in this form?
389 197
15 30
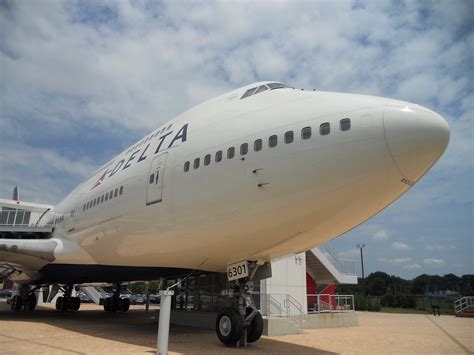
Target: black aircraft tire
31 303
229 326
256 328
124 304
61 304
107 304
76 304
16 303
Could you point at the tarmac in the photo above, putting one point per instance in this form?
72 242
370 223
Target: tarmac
93 331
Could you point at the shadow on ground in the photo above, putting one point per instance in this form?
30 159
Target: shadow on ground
139 328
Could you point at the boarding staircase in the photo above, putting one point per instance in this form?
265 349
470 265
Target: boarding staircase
464 307
323 264
95 293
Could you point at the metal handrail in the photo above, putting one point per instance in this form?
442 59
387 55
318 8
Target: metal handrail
344 266
337 303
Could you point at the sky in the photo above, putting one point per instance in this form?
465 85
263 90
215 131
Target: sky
82 80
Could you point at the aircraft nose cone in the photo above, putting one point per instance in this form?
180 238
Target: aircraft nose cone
416 137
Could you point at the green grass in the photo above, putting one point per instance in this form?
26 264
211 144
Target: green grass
413 311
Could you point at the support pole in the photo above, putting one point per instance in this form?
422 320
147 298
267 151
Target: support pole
147 294
164 322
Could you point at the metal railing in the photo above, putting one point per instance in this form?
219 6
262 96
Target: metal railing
322 303
279 305
463 303
344 266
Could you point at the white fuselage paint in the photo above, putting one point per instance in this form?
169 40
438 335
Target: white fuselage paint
261 206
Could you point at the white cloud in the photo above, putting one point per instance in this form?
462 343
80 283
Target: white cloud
394 261
380 235
399 246
434 261
414 266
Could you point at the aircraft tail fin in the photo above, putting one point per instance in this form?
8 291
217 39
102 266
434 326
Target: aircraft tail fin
16 195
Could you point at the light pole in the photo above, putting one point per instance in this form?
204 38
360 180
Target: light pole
361 247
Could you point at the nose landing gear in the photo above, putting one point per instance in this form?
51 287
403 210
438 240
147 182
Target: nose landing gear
243 324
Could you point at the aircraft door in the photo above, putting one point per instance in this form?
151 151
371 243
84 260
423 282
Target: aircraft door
155 179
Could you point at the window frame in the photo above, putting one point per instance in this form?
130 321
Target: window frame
230 152
196 163
272 138
207 159
244 149
322 126
289 134
342 122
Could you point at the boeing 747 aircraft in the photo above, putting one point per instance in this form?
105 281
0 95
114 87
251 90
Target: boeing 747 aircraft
256 174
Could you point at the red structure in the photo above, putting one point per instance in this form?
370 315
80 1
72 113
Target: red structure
312 289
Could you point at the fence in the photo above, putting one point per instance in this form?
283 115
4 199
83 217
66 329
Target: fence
321 303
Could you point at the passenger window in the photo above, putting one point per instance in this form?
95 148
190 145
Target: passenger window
273 141
218 156
95 200
121 190
152 178
244 148
102 199
111 194
197 161
84 207
289 137
186 166
106 196
306 133
261 89
207 159
345 124
230 152
257 145
324 129
116 193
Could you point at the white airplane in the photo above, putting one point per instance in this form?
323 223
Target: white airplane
248 177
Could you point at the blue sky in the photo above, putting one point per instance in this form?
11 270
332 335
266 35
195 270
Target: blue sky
81 80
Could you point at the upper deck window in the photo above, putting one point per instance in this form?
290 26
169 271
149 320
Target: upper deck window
345 124
325 128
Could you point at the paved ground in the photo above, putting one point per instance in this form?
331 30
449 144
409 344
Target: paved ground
93 331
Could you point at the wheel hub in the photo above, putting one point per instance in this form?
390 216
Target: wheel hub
225 326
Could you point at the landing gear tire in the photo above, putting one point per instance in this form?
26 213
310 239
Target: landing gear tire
31 303
229 326
61 304
16 303
255 329
124 304
77 304
113 305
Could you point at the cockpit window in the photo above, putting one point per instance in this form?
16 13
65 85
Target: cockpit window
261 88
249 92
274 86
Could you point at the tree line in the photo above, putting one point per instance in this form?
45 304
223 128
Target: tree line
382 290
